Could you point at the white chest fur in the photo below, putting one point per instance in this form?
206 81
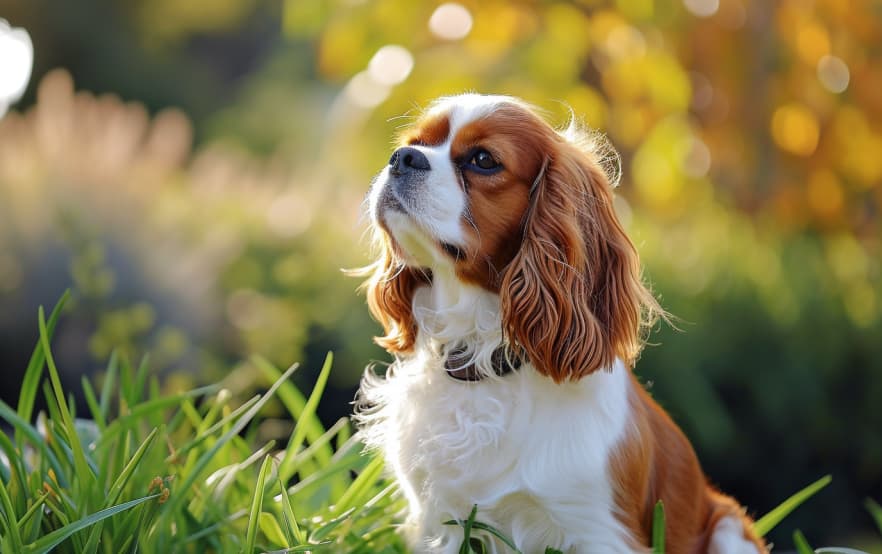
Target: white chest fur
533 455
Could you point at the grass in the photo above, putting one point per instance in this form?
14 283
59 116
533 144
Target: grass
141 471
138 471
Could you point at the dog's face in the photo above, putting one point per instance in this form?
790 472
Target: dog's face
485 191
456 192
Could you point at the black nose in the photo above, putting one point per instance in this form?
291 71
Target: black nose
407 159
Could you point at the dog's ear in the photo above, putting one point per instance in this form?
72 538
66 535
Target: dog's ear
573 298
390 289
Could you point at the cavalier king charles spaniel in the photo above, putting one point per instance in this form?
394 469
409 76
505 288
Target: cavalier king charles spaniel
513 303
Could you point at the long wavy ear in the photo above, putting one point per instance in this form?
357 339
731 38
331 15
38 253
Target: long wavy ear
390 289
573 298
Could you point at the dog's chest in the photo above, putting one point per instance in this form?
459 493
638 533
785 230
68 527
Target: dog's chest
532 455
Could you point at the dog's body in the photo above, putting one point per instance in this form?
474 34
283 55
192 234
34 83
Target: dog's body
554 440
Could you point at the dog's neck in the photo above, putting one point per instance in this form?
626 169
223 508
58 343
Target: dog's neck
455 318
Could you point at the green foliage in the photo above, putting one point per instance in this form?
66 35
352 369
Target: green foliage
658 528
179 473
771 519
875 511
802 545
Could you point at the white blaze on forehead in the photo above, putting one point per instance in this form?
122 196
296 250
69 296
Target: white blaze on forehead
463 109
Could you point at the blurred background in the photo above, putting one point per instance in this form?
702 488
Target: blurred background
194 172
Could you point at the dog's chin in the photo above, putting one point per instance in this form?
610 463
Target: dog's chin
412 242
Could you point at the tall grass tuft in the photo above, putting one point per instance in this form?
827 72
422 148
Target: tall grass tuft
137 471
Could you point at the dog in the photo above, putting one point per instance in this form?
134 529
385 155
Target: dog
513 303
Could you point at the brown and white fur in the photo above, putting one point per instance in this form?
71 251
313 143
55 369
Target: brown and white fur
523 248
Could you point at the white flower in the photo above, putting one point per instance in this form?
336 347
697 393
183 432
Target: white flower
16 59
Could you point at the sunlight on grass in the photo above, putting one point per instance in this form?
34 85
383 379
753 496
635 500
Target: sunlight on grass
181 472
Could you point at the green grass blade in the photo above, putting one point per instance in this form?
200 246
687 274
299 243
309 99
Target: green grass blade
34 437
53 539
325 530
35 509
85 474
256 506
299 408
360 488
109 385
30 385
875 511
120 483
290 517
341 428
466 547
489 529
492 530
16 464
658 528
92 403
174 503
10 519
210 431
802 545
140 382
304 420
139 412
771 519
272 530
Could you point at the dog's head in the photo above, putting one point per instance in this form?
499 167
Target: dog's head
483 189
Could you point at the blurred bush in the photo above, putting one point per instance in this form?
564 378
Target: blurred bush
197 258
750 134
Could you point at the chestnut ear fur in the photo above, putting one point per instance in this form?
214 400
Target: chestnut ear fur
573 298
390 289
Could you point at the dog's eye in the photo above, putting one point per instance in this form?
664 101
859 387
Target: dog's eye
484 160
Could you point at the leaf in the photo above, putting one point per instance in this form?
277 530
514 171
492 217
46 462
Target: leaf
195 472
53 539
121 481
272 530
305 420
8 520
658 528
774 517
256 505
109 381
467 531
92 403
31 380
84 472
802 545
37 441
360 488
322 532
875 511
290 518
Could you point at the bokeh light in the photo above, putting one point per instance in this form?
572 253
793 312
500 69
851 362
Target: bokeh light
795 129
451 21
365 91
16 59
391 65
702 8
833 73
